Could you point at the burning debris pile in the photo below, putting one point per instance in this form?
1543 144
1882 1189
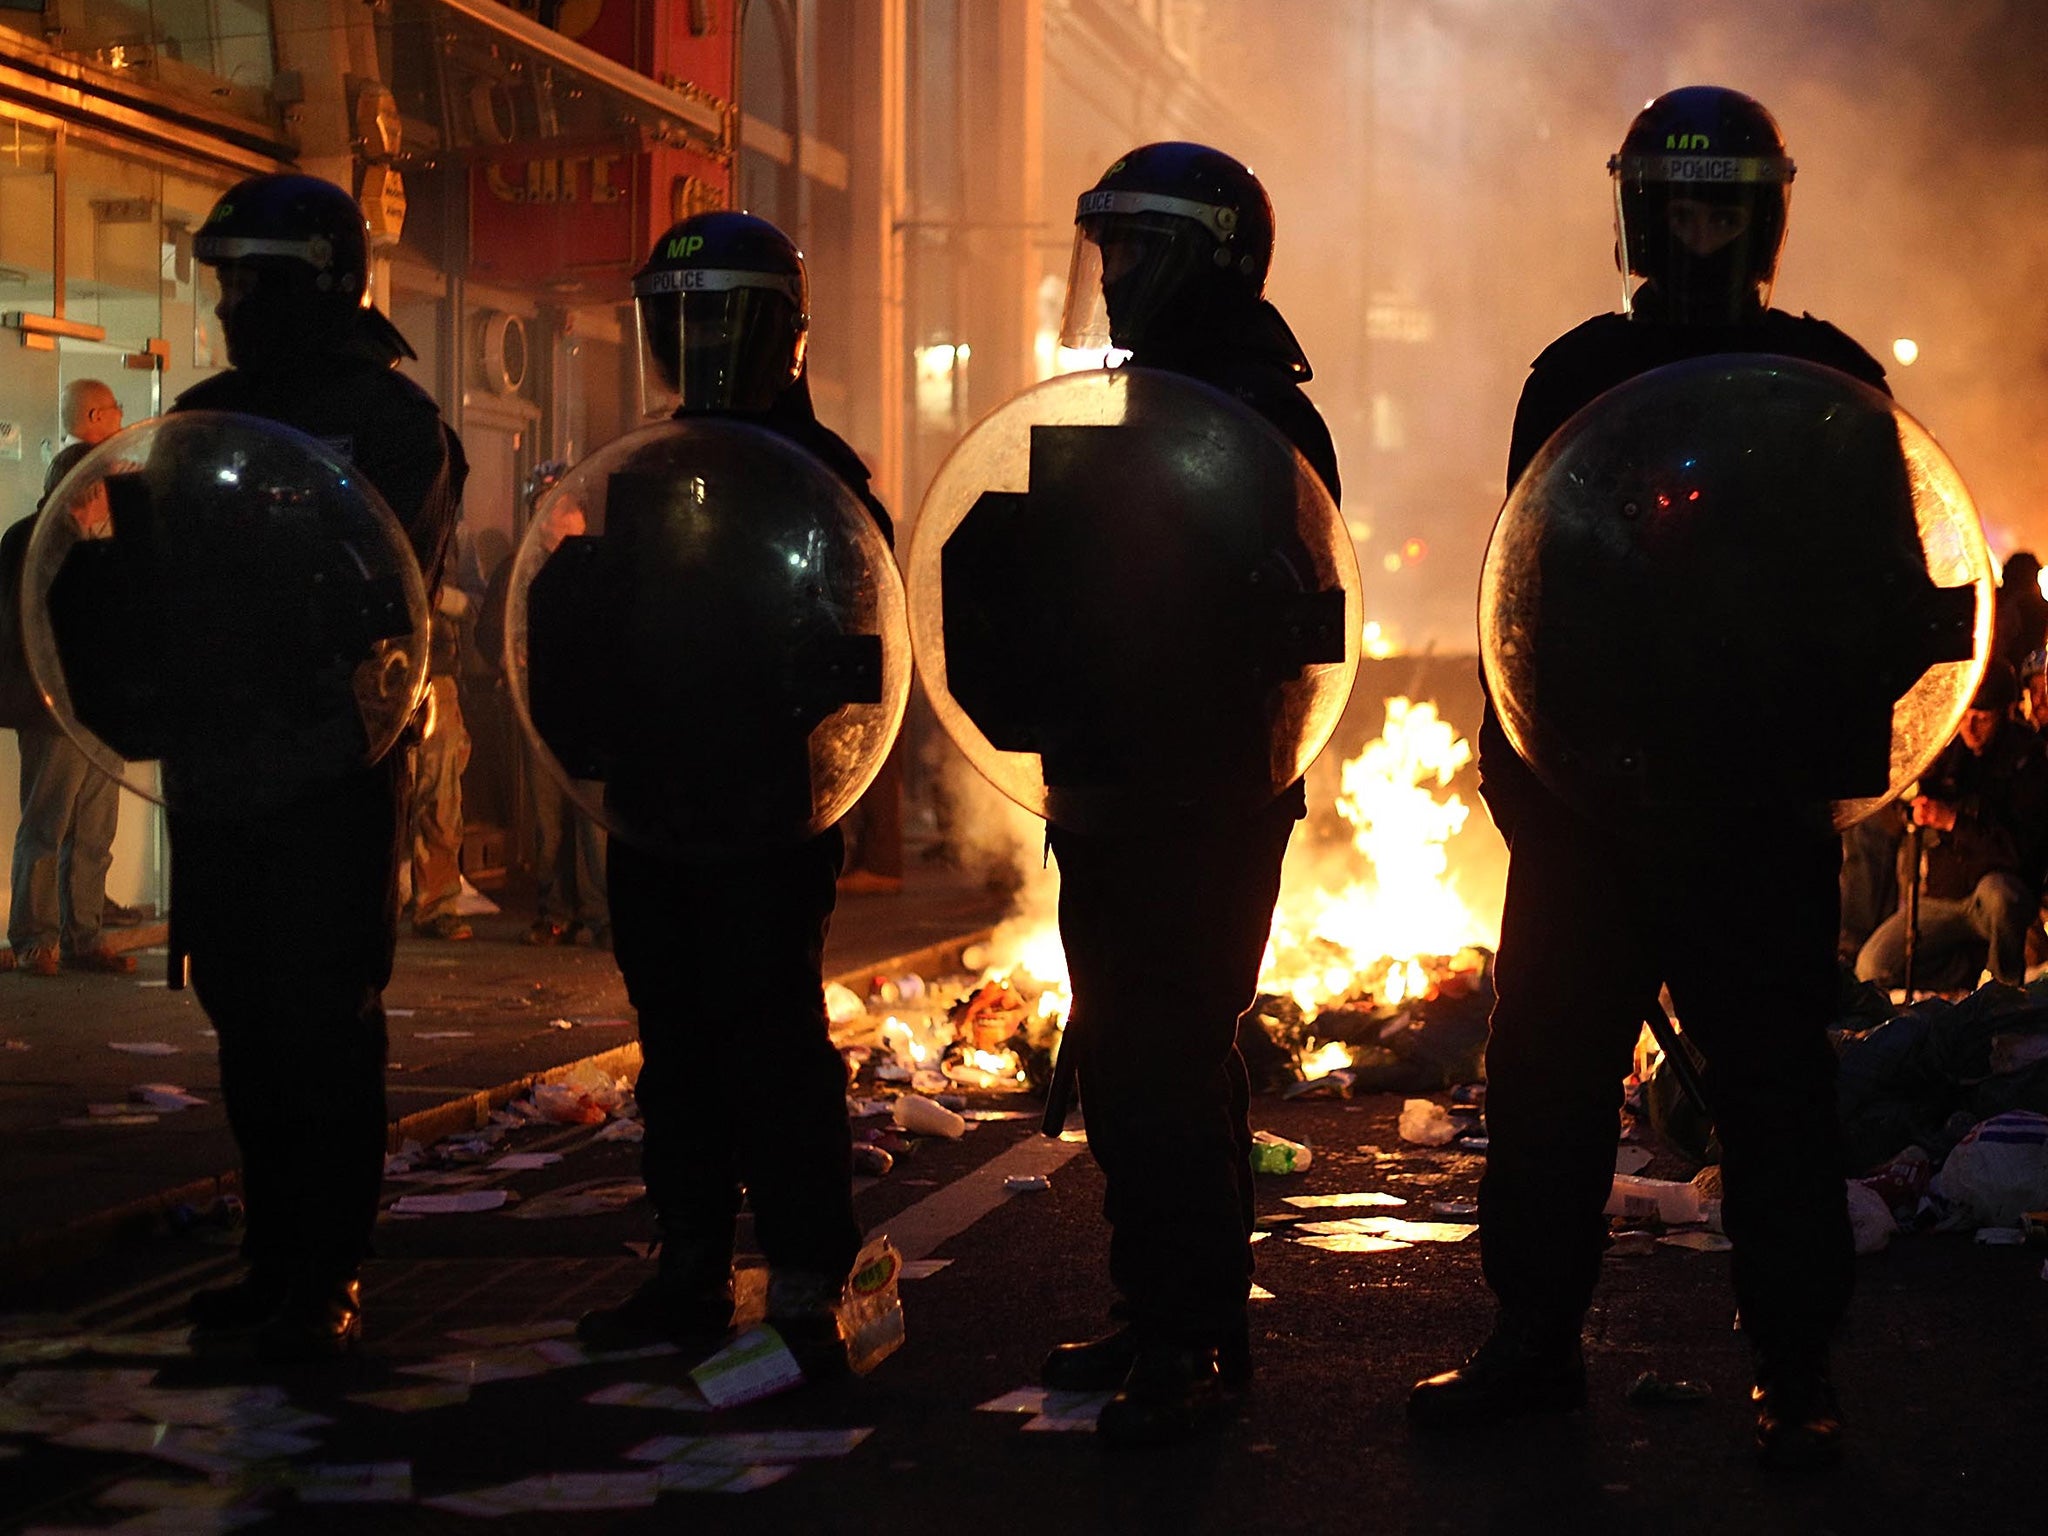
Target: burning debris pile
1376 977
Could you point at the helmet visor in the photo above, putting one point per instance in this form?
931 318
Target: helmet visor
1128 271
715 340
1702 232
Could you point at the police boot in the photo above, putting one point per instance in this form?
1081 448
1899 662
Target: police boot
318 1320
803 1306
1798 1421
1171 1393
231 1313
687 1302
1528 1366
1100 1365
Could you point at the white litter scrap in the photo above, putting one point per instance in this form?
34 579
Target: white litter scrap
921 1269
1631 1159
419 1399
716 1477
563 1353
1698 1242
374 1482
512 1363
755 1365
1050 1411
461 1202
555 1493
1426 1123
144 1047
650 1394
115 1115
594 1198
743 1448
525 1162
215 1452
1260 1293
443 1034
1394 1227
1352 1242
1339 1202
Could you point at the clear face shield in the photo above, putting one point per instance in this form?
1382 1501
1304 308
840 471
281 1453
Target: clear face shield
717 340
1136 256
1702 232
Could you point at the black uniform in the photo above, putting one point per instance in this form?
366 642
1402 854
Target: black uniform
1164 933
759 922
289 916
1739 921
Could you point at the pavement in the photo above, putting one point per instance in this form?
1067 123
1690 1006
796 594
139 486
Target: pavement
1940 1371
472 1024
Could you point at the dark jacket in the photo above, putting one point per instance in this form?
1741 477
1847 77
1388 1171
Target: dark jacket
1578 368
2001 803
20 702
794 417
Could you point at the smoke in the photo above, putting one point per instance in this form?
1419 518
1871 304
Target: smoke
1439 172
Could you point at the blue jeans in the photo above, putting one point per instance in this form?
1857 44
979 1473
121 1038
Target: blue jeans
1994 919
63 847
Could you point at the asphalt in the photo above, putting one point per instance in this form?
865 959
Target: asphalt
473 1024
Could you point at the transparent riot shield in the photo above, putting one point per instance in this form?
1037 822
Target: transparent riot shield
706 639
1735 584
223 614
1134 604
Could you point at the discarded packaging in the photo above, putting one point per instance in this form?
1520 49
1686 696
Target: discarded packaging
870 1310
1427 1123
459 1203
755 1365
1338 1202
1276 1154
1638 1199
1871 1224
1027 1184
926 1117
1698 1242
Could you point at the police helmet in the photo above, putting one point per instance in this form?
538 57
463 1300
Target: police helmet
1170 232
724 309
303 246
1701 188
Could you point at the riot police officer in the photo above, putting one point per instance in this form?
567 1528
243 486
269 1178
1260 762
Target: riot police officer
1171 254
288 916
724 311
1594 924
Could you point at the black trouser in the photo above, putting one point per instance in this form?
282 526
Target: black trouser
739 1084
1164 935
289 920
1743 933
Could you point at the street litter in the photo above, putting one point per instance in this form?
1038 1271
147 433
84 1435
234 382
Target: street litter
1871 1223
921 1269
513 1333
649 1394
587 1095
556 1493
375 1482
2003 1237
925 1117
1628 1245
1631 1159
870 1309
525 1162
76 1122
567 1352
1336 1202
1996 1174
1454 1207
215 1452
1276 1154
1055 1411
443 1034
1638 1199
413 1399
593 1198
745 1448
13 1045
755 1365
512 1363
1698 1242
460 1202
1426 1123
1652 1388
1355 1242
1027 1184
163 1097
621 1130
144 1047
1394 1227
1260 1293
718 1477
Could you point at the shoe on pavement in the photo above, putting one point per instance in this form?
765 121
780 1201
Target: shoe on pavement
447 926
234 1311
102 959
1101 1364
114 915
544 932
1523 1368
316 1321
1171 1394
803 1307
1798 1421
38 960
661 1311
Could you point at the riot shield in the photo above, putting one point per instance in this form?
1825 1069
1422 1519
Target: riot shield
223 614
1735 584
706 641
1133 602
